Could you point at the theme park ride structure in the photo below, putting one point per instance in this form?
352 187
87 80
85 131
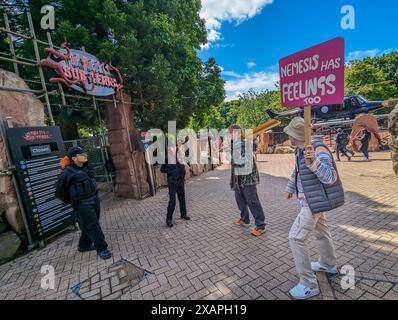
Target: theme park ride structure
349 109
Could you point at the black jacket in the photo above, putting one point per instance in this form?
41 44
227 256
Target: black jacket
365 139
175 173
76 184
342 139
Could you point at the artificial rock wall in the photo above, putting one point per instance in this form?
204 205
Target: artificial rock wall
26 111
393 129
131 172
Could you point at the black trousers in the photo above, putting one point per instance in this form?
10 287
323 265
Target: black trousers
247 198
88 215
343 149
179 190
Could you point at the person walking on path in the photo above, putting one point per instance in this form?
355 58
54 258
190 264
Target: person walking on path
245 185
176 180
316 183
364 139
76 186
342 140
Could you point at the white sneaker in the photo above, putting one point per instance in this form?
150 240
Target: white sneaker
317 267
302 292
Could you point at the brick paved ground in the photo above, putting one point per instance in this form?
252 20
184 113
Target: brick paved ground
208 258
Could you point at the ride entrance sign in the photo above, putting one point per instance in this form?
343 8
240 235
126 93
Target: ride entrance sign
82 71
36 153
314 76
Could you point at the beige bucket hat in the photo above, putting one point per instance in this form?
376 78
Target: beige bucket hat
296 129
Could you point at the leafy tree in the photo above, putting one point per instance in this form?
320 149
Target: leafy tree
211 119
388 63
229 111
252 104
153 42
365 78
211 93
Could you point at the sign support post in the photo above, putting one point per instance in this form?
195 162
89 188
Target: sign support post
308 130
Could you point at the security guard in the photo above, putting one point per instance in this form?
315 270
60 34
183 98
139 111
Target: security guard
76 186
175 180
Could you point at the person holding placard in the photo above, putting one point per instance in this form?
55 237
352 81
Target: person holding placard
316 183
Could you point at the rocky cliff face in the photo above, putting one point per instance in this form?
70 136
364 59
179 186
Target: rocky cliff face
131 174
393 128
25 110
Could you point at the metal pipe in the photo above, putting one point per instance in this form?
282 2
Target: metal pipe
33 81
7 24
19 57
20 89
51 93
104 155
150 169
47 44
16 34
15 183
43 81
89 98
19 62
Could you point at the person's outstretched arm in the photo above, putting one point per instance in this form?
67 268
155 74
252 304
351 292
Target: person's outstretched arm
323 166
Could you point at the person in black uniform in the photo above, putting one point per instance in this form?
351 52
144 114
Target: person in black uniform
76 186
364 139
342 140
175 179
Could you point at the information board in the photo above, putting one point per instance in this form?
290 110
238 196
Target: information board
36 152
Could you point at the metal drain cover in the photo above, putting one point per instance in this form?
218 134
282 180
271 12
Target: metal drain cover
110 283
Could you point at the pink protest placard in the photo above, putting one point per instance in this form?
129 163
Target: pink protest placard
314 76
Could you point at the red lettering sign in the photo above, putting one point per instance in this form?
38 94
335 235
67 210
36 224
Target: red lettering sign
37 135
83 72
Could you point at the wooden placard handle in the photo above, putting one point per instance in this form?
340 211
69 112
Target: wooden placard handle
308 130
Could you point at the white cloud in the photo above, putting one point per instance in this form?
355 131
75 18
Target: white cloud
362 54
251 64
213 35
257 81
217 11
234 96
388 51
231 74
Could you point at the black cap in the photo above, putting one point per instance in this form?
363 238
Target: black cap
72 152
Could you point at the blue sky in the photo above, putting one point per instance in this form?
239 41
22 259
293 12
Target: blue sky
249 37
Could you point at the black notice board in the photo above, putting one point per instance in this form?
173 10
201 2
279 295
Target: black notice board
36 152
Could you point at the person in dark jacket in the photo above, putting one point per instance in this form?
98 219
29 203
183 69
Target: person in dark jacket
244 185
364 139
341 145
76 186
175 171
